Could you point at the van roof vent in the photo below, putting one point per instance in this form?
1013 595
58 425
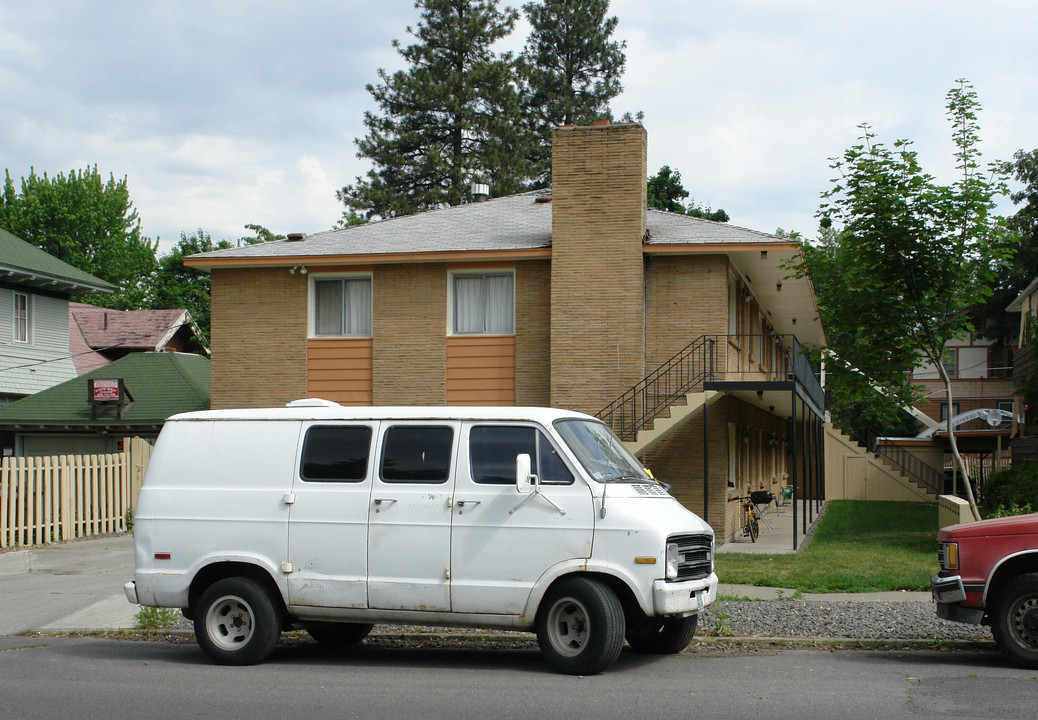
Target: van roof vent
312 402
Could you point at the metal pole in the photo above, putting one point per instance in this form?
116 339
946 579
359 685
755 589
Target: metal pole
793 465
706 464
803 443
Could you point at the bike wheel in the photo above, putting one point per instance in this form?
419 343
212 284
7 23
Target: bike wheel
754 529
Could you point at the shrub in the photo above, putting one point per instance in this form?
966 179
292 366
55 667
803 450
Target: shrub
1015 486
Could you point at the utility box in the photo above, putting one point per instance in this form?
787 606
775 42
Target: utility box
953 510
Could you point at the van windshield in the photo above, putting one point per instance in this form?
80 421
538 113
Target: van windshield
601 454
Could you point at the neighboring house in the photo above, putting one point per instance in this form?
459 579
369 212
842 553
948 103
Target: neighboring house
98 335
62 421
1025 435
579 298
35 288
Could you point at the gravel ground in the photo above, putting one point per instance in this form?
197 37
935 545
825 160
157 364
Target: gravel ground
812 619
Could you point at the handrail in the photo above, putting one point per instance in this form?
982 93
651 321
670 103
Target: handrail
913 468
705 359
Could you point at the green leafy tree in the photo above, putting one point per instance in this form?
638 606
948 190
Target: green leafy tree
87 222
176 286
908 258
447 120
571 70
665 192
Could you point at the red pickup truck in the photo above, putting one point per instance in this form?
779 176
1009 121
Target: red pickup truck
989 574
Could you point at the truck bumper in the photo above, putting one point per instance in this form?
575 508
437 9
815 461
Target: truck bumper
948 594
683 598
130 590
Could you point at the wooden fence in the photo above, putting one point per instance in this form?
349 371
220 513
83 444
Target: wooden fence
52 499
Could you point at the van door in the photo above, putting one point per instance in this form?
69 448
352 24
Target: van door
502 541
409 516
328 524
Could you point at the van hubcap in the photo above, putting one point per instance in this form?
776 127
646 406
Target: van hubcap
230 622
568 627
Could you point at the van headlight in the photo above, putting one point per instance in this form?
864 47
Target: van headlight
673 558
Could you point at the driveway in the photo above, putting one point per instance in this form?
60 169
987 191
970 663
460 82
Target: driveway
73 586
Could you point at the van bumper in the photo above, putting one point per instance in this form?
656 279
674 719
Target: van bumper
683 598
130 590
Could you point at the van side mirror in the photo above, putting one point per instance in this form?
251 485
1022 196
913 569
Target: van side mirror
523 477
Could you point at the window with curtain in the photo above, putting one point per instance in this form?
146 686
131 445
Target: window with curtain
484 304
342 307
21 318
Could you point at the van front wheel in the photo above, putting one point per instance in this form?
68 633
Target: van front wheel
580 627
237 622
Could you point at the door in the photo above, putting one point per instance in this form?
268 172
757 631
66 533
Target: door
409 516
503 541
328 535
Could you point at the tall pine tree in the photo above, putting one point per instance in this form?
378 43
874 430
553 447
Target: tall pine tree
447 120
571 69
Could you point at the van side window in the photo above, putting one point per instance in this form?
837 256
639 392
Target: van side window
336 454
492 451
417 454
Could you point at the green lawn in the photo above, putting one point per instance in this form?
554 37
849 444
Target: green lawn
857 547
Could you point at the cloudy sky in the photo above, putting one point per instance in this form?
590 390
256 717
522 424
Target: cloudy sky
232 112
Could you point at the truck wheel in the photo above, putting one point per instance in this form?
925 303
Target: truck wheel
1015 620
663 637
237 622
338 636
580 627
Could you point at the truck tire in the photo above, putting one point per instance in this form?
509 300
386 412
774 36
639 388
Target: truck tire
237 622
338 636
1014 622
663 637
580 627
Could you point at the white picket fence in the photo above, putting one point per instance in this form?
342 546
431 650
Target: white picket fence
58 498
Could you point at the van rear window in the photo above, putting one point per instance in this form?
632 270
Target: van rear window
336 453
417 454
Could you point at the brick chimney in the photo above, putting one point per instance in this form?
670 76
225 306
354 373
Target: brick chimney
597 269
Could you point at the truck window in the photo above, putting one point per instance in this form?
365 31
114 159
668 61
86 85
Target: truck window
335 454
492 451
417 454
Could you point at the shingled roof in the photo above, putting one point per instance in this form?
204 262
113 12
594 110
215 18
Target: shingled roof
162 384
133 330
26 264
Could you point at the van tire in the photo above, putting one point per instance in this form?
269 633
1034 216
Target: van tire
338 636
237 622
1014 622
663 637
580 627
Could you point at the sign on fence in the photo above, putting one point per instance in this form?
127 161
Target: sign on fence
51 499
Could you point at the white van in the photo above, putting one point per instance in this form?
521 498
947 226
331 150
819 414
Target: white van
331 519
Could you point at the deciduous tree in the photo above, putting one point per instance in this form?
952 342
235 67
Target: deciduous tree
88 222
909 257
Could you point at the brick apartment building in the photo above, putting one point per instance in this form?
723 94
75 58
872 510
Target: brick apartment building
578 298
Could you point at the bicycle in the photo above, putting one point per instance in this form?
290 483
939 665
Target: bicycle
752 513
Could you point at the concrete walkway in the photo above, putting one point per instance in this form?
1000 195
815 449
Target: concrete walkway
778 539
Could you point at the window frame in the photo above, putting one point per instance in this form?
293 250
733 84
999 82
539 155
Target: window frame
540 437
307 438
452 302
18 322
342 278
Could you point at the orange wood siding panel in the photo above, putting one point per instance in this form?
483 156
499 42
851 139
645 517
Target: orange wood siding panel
339 369
481 370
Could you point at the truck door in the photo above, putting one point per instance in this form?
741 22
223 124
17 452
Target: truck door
503 541
328 527
409 516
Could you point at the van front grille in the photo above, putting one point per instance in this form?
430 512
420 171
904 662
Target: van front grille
696 557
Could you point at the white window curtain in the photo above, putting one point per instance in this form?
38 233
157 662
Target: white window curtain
328 307
484 304
358 307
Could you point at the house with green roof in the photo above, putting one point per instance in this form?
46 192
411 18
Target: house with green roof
35 288
65 420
